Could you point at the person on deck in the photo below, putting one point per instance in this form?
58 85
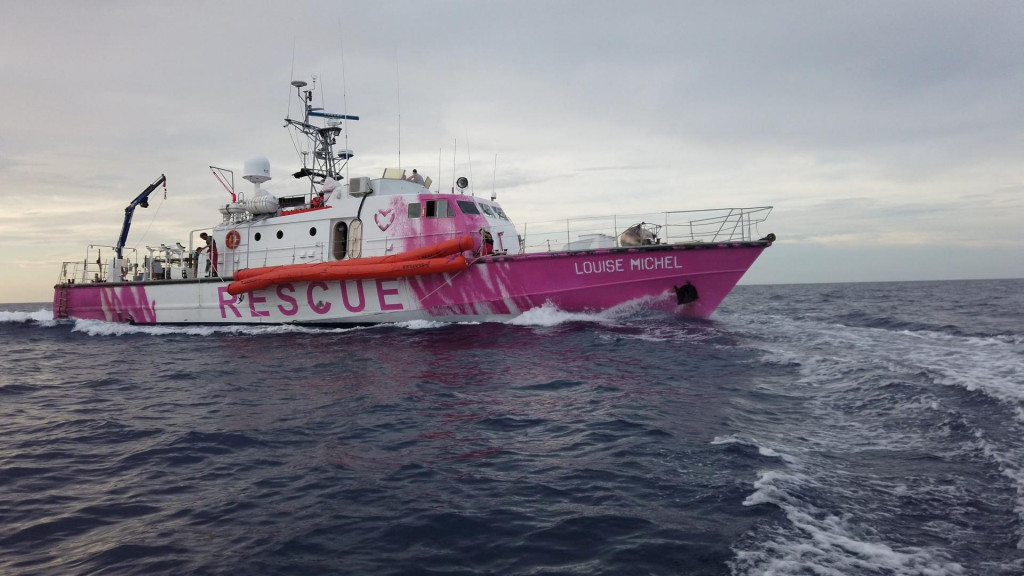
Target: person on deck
487 243
415 177
211 254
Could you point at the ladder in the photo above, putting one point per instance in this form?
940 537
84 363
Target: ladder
62 303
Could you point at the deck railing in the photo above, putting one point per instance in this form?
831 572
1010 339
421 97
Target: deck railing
715 225
94 268
710 226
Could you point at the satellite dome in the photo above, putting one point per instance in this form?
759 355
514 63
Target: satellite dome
257 170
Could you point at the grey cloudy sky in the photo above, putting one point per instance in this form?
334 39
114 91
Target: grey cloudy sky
888 135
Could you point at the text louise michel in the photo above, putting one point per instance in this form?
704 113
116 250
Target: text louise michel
638 263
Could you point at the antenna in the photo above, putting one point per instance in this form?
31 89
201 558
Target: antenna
439 170
469 156
455 153
493 178
309 95
298 85
398 92
323 92
344 92
291 78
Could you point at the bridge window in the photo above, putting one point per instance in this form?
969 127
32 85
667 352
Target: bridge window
468 207
439 209
414 210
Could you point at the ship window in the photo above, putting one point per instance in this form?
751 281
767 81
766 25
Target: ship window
258 236
439 209
486 209
468 207
414 210
500 213
312 231
340 240
280 234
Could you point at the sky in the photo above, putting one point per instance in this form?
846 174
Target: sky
888 136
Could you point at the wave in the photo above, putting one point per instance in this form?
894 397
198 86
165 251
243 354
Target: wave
102 328
821 542
1010 467
830 520
938 403
762 450
959 308
42 317
428 324
830 353
549 314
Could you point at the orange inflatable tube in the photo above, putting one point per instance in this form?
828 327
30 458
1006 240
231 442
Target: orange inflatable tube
349 271
433 251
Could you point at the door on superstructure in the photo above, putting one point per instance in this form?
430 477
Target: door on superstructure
355 238
339 247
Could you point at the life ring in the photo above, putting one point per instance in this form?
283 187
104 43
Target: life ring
233 239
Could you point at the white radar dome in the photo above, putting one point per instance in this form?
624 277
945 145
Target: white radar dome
257 170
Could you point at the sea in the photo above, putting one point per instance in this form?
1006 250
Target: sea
820 430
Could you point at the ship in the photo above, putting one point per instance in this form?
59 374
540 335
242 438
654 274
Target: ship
395 248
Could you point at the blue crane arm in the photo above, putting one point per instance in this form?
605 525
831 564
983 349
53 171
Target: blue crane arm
140 200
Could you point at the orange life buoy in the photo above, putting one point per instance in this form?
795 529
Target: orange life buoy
233 240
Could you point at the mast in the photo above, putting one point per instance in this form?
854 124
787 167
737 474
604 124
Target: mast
322 162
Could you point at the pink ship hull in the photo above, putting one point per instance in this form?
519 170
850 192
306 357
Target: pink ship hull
491 289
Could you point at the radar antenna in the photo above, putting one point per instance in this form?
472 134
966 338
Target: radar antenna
321 162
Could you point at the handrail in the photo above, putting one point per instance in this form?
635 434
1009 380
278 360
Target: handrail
707 225
716 225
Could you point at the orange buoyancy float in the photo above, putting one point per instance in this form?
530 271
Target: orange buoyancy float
349 271
433 251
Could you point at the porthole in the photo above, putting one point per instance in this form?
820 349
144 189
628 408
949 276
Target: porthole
280 234
312 231
257 236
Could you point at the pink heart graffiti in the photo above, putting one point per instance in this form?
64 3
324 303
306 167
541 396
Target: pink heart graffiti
384 218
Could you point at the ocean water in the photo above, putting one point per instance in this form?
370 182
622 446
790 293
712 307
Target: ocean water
838 429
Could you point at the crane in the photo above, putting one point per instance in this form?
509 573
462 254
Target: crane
140 200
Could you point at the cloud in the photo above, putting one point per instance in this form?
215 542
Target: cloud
866 124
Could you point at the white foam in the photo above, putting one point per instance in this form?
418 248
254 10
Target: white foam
844 373
1010 468
420 324
762 450
642 305
550 315
43 317
821 543
770 453
101 328
993 366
